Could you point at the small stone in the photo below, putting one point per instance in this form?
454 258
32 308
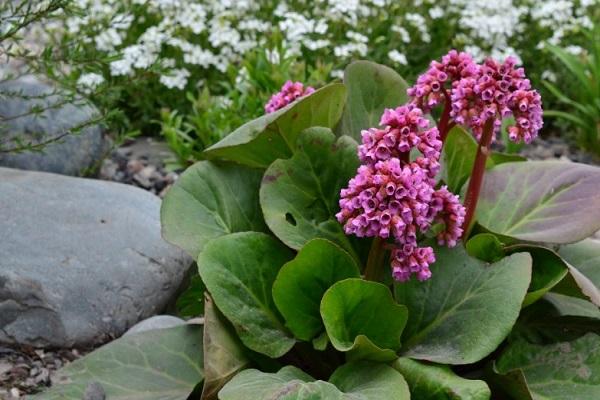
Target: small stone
94 391
134 166
14 392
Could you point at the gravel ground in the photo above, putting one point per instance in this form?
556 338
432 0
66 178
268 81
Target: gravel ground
27 370
142 164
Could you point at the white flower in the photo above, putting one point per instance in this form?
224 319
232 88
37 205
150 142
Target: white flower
397 57
90 81
176 79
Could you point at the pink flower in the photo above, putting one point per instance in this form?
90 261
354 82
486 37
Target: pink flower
404 128
417 262
497 91
289 93
447 210
432 87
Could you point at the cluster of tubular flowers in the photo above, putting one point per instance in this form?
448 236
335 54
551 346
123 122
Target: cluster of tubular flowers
290 92
481 93
394 197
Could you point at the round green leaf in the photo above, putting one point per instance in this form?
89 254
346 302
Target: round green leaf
210 200
371 89
370 381
486 247
260 142
541 201
238 271
362 318
354 381
224 354
561 371
152 365
299 197
438 382
466 309
301 283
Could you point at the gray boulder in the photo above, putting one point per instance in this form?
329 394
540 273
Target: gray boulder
74 154
81 260
156 322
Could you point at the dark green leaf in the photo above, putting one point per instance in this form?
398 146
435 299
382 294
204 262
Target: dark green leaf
370 381
210 200
261 141
362 318
438 382
486 247
458 157
239 271
467 296
561 371
301 283
548 270
224 354
540 201
300 196
163 364
191 302
371 89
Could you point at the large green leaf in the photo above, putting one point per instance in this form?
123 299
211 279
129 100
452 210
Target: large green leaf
466 309
371 89
163 364
301 283
540 201
299 196
210 200
561 371
260 142
354 381
438 382
584 268
239 271
362 318
224 354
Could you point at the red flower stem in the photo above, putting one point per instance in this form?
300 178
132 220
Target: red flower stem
444 126
477 173
376 254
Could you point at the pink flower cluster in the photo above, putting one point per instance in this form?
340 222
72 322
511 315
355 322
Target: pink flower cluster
290 91
432 87
392 197
479 93
404 128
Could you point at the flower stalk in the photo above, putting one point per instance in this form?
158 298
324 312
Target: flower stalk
477 173
375 260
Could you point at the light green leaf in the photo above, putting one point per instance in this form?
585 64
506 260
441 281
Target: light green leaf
210 200
467 296
299 196
371 89
438 382
224 354
486 247
458 157
263 140
301 283
239 271
584 269
354 381
541 201
561 371
362 318
163 364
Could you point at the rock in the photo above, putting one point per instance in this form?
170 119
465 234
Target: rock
94 391
74 154
82 260
156 322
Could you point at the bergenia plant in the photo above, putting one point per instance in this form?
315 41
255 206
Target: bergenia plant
364 241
